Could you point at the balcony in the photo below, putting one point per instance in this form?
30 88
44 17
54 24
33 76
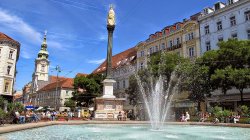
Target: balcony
174 47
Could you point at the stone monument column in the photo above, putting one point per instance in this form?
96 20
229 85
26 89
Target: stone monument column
108 82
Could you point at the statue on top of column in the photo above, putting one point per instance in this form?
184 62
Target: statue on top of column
111 16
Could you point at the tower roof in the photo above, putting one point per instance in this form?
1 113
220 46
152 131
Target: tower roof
43 53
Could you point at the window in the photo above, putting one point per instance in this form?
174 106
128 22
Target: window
163 46
208 46
124 84
247 15
191 36
177 41
156 48
0 50
8 70
42 68
206 29
248 34
233 21
220 39
6 87
141 66
10 54
235 36
118 85
67 93
219 25
151 50
142 53
191 51
170 43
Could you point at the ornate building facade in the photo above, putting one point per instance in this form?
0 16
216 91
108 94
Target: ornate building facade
181 38
224 21
9 54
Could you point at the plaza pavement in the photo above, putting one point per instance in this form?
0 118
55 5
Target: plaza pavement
17 127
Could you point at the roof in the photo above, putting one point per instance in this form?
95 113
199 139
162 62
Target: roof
118 59
53 79
5 38
81 74
63 83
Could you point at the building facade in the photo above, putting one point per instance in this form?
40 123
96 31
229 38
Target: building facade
224 21
181 38
55 94
9 54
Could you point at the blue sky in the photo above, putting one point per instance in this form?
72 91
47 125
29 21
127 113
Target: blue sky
77 35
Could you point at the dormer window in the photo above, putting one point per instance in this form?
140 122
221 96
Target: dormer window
230 2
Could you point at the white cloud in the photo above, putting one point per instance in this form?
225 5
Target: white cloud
30 35
17 24
96 61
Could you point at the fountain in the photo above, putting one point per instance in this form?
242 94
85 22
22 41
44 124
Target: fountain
157 100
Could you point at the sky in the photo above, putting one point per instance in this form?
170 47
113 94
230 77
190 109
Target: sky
76 29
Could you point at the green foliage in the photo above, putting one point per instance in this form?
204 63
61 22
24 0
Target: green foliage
244 110
195 80
70 103
1 102
15 107
133 92
228 66
92 86
2 113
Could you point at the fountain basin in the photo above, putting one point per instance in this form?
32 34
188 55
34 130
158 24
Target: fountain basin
129 132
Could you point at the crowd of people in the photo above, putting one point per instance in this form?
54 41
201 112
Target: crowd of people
31 116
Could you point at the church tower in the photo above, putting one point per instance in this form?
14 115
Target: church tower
41 74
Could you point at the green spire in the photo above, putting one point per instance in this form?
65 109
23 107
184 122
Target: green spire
43 53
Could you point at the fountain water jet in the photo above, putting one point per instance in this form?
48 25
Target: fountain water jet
156 100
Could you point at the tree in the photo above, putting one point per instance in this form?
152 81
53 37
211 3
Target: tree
222 79
226 65
91 87
70 103
195 81
240 79
133 91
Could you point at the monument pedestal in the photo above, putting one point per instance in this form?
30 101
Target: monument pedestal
108 88
108 108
